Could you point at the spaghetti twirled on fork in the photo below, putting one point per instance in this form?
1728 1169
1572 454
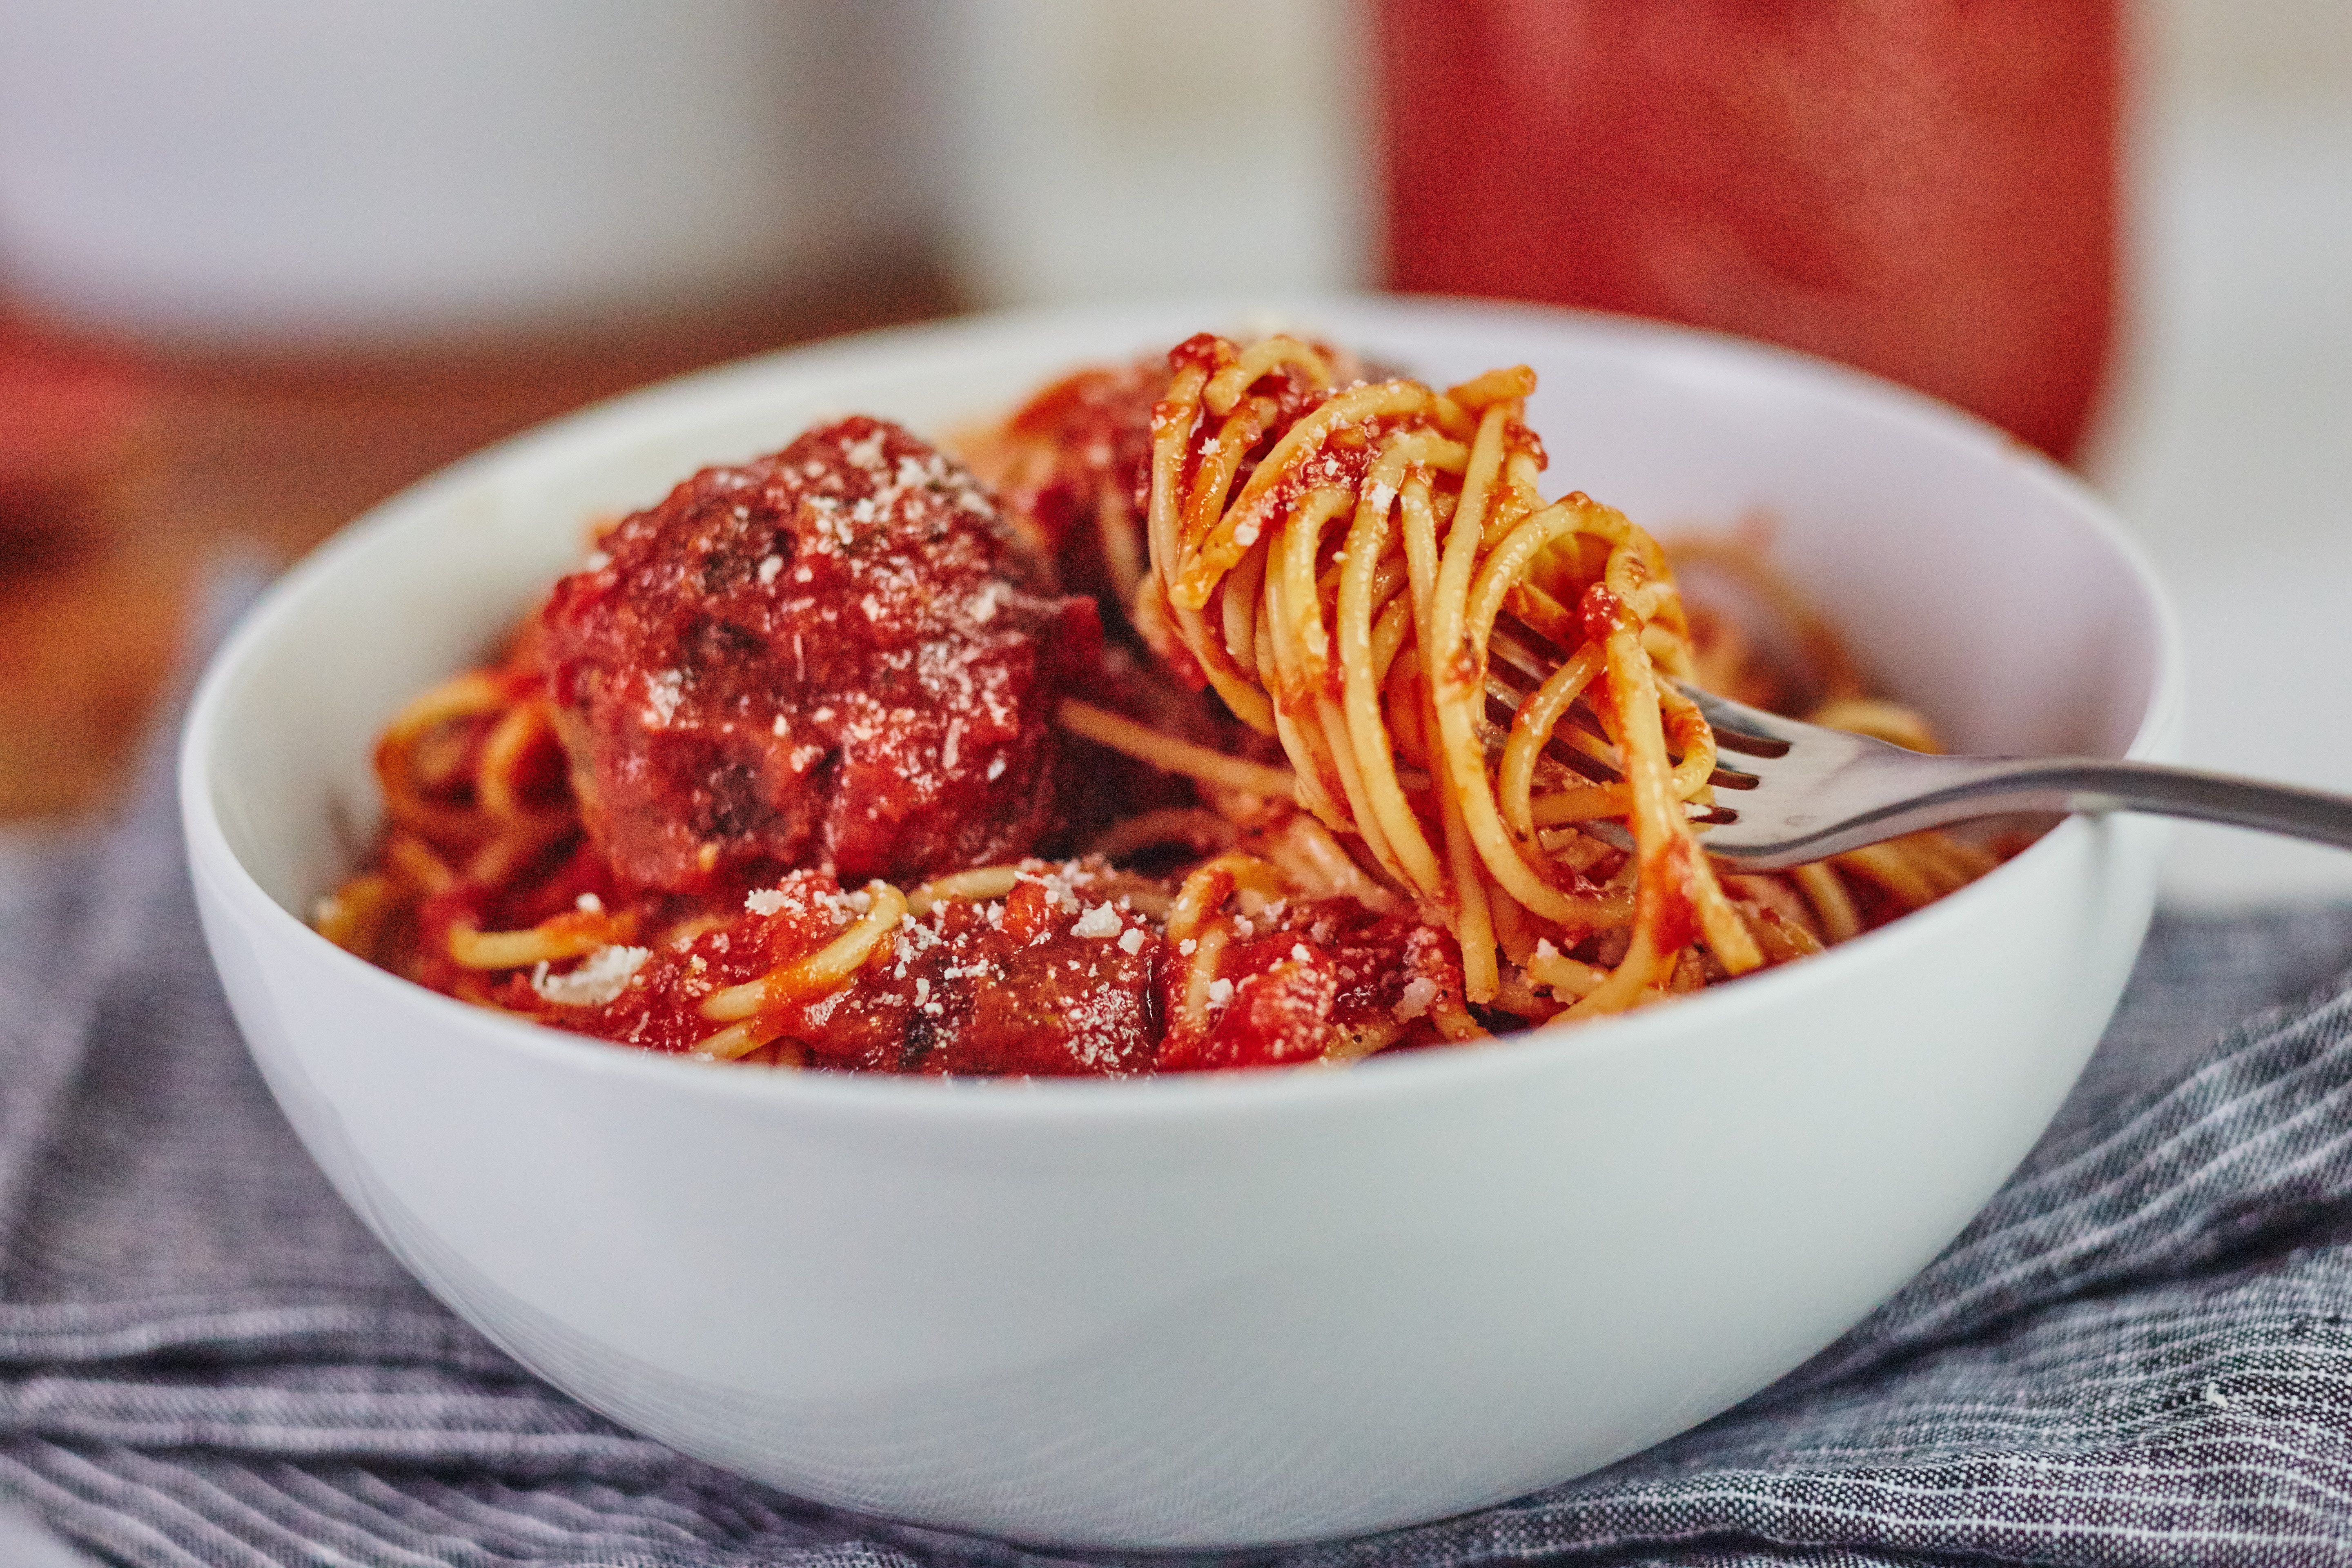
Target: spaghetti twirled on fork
1334 562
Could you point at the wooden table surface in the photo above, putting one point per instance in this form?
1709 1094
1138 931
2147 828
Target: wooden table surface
127 472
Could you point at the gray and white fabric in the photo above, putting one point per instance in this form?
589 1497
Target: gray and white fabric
2141 1353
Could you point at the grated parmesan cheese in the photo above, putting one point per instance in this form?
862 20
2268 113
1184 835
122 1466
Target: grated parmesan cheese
1101 920
1420 992
602 975
665 690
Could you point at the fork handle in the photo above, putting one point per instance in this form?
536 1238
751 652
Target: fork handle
1990 786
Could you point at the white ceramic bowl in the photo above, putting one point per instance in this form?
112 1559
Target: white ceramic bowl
1214 1311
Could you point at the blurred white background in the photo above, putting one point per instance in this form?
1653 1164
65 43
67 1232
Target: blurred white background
258 169
1086 135
2227 441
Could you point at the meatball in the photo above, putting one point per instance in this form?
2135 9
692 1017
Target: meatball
837 657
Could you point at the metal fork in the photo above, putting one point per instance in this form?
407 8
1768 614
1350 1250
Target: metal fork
1807 792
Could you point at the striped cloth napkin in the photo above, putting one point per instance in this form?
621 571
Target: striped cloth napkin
2141 1353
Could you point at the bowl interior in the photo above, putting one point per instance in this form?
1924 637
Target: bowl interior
1970 575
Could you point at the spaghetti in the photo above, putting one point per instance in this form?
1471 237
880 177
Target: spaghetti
1343 598
745 788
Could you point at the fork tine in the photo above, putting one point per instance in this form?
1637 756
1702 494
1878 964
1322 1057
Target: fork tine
1521 659
1523 652
1502 701
1750 731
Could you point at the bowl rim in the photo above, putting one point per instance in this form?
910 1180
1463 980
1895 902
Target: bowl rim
895 1097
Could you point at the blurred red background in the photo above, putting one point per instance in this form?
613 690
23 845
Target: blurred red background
1927 190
